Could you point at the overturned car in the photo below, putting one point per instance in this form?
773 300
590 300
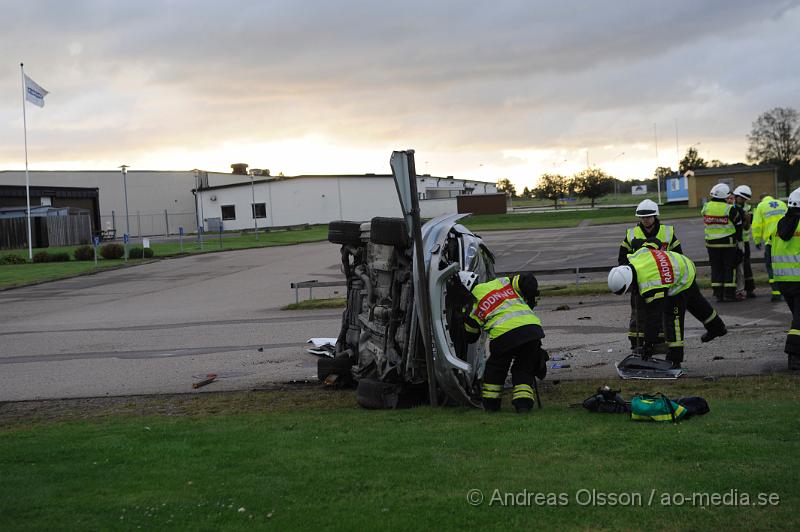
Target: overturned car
380 347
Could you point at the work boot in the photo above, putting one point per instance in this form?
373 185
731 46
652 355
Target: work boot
794 362
523 406
676 364
491 405
711 334
751 295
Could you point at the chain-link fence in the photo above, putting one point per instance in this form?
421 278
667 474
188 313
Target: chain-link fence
149 224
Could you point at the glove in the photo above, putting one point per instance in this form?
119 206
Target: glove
541 371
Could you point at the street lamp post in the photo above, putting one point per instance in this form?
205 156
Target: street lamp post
124 169
253 190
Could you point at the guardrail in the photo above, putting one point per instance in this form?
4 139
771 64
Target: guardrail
578 271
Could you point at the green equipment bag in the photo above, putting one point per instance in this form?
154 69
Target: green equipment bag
657 407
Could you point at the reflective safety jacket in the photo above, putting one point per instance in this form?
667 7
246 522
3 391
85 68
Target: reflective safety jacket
765 219
661 273
720 220
747 208
786 258
501 311
662 236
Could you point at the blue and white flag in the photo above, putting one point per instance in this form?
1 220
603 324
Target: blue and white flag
34 93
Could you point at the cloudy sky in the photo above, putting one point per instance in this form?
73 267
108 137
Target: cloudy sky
479 89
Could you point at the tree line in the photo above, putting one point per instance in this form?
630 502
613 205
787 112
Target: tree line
774 139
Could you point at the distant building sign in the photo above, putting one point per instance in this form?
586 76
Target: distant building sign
638 190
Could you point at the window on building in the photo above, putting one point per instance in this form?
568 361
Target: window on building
259 210
229 212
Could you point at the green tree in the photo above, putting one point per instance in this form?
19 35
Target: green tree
691 161
526 193
716 163
663 172
775 139
552 187
593 183
507 187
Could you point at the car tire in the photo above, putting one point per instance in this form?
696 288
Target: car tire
344 232
390 232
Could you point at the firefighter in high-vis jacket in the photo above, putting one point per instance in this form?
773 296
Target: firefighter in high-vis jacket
666 282
742 195
785 244
723 233
503 308
765 220
649 230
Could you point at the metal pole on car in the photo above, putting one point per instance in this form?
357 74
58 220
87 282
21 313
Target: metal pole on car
411 209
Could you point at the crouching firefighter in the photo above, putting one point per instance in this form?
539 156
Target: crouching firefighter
502 308
666 282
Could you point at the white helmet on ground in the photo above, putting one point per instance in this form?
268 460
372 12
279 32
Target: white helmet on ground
468 279
620 279
647 208
743 191
720 191
794 198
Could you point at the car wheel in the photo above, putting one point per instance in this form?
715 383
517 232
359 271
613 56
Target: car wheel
389 231
344 232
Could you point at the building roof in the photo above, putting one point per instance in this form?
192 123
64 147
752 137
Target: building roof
270 179
15 191
736 169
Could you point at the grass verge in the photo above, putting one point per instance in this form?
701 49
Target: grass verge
311 458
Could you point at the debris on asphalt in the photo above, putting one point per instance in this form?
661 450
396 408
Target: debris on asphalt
211 377
324 347
562 307
585 318
718 357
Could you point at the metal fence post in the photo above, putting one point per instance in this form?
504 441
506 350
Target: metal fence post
166 223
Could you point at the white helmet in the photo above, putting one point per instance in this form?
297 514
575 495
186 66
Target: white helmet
647 208
468 279
720 191
794 198
620 279
743 191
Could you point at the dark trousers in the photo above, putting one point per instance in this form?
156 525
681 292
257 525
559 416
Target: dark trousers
638 320
692 300
747 269
723 272
791 293
768 263
525 361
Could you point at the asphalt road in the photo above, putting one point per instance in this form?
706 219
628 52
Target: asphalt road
159 327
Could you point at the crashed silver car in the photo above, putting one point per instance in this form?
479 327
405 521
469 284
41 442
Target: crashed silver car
380 348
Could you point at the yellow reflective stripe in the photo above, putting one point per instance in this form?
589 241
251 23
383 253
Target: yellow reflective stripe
636 335
515 283
710 318
490 395
494 387
720 245
658 295
523 391
678 332
675 244
794 331
675 344
470 328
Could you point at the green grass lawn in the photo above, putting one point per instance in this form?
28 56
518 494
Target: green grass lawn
310 458
549 219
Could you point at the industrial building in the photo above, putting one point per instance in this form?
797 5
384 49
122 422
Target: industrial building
161 202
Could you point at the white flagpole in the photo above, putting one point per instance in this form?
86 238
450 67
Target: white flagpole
27 178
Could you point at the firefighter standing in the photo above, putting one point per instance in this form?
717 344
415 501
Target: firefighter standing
648 230
785 244
723 232
742 195
765 220
666 282
502 308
